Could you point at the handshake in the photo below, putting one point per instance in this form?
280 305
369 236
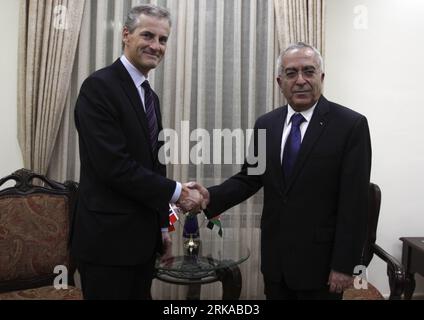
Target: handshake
193 199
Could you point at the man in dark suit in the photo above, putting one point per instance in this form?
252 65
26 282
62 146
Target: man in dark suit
121 217
318 157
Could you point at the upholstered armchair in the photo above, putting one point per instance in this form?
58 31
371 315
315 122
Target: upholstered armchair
395 270
35 220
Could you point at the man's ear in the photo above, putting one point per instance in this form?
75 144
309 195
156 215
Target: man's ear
125 33
280 82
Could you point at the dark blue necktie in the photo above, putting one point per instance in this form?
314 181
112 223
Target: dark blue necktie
152 121
292 147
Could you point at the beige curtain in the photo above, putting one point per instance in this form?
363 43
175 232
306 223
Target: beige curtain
301 20
49 31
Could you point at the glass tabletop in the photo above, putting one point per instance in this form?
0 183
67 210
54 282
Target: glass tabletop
205 258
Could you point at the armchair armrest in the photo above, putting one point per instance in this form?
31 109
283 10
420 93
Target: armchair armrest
395 272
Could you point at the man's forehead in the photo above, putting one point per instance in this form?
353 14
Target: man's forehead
303 57
145 21
153 18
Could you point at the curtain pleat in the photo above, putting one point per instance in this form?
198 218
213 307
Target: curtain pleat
300 20
48 39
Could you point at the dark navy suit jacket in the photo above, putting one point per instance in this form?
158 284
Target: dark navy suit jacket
123 193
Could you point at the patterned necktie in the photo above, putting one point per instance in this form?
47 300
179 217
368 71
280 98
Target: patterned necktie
292 147
152 121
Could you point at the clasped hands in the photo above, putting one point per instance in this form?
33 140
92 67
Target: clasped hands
194 198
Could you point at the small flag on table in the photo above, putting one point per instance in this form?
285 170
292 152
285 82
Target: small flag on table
173 218
215 222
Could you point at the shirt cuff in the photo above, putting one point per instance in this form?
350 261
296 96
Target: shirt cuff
164 230
177 193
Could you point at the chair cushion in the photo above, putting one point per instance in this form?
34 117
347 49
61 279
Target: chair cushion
43 293
33 235
363 294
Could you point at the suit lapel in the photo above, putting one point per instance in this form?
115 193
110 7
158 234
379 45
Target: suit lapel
275 136
315 129
131 92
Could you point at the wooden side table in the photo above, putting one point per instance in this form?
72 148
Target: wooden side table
413 261
216 259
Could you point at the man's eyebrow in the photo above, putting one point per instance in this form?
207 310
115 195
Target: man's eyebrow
303 68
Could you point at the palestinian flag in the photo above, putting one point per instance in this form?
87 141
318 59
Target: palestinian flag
215 222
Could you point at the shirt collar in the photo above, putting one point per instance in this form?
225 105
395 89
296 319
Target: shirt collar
307 114
137 77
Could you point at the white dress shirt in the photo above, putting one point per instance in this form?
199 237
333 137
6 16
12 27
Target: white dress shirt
137 77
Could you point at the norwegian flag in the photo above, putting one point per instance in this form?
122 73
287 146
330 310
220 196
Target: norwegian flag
173 218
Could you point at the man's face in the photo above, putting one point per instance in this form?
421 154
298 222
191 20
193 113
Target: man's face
145 47
302 79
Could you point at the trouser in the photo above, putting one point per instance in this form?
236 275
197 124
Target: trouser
280 291
101 282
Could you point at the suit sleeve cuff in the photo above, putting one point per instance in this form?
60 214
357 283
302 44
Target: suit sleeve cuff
177 193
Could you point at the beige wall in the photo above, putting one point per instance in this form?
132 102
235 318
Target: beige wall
375 66
10 159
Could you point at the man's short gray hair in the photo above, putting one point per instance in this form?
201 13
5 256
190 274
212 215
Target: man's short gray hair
299 46
133 17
